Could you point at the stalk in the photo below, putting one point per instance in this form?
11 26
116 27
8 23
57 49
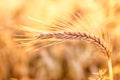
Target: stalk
109 61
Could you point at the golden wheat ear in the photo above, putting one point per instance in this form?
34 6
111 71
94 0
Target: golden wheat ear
62 28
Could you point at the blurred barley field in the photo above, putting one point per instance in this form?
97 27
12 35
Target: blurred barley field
23 57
